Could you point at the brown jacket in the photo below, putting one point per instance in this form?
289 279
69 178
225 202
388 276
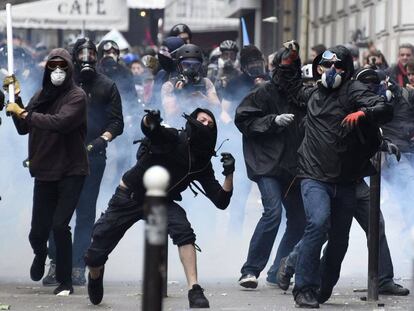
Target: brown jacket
56 124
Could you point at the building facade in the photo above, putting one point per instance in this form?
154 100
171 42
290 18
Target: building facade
388 23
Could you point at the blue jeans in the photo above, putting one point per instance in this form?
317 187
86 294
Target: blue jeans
329 210
85 212
272 191
385 268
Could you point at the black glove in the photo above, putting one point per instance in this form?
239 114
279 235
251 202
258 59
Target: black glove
390 148
153 118
97 145
228 163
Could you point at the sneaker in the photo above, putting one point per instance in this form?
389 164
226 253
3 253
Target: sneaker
393 289
248 281
50 278
63 287
271 281
38 267
196 297
95 288
306 299
78 276
283 276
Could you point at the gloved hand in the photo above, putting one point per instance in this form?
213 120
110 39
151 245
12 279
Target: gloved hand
228 163
291 53
153 118
11 80
352 119
390 148
284 119
15 109
97 145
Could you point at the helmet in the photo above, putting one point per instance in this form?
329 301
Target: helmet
228 45
105 46
189 51
176 30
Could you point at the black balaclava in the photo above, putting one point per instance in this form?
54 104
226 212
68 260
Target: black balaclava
202 138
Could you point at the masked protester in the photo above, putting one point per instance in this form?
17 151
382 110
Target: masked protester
182 31
189 89
341 134
228 65
271 126
55 120
105 123
387 286
109 65
187 156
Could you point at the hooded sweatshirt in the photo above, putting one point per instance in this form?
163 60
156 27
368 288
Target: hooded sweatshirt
56 124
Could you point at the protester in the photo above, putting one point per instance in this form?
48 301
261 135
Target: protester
270 121
187 157
182 31
55 120
189 89
105 123
332 157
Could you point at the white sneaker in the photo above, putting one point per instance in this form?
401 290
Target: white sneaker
248 281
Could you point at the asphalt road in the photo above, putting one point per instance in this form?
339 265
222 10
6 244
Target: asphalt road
223 295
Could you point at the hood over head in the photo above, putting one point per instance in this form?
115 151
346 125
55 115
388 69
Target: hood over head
343 54
64 54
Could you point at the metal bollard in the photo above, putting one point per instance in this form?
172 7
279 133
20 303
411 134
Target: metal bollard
156 181
373 230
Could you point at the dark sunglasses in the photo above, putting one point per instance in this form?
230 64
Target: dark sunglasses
61 64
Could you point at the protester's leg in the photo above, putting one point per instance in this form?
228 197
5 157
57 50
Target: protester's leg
69 191
261 243
179 229
295 225
342 213
121 214
45 196
317 204
86 210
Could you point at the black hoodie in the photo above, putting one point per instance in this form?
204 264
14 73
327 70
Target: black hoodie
56 124
174 150
330 152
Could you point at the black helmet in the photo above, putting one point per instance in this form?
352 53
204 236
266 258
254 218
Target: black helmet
180 28
228 45
189 51
367 75
105 46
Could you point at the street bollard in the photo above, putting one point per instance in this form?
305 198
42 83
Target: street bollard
156 181
373 230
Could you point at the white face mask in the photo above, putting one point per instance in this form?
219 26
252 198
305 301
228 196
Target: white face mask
57 76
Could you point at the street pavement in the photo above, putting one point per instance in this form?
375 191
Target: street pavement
223 295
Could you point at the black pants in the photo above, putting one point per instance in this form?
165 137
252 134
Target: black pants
53 205
85 212
121 214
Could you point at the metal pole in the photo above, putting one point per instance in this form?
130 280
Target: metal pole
156 181
373 230
165 262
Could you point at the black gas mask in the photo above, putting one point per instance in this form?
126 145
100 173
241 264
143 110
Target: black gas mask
191 69
85 57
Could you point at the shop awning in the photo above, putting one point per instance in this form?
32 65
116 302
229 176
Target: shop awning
70 14
146 4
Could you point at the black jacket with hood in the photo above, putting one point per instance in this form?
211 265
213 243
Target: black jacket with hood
185 154
330 152
269 149
104 103
56 124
